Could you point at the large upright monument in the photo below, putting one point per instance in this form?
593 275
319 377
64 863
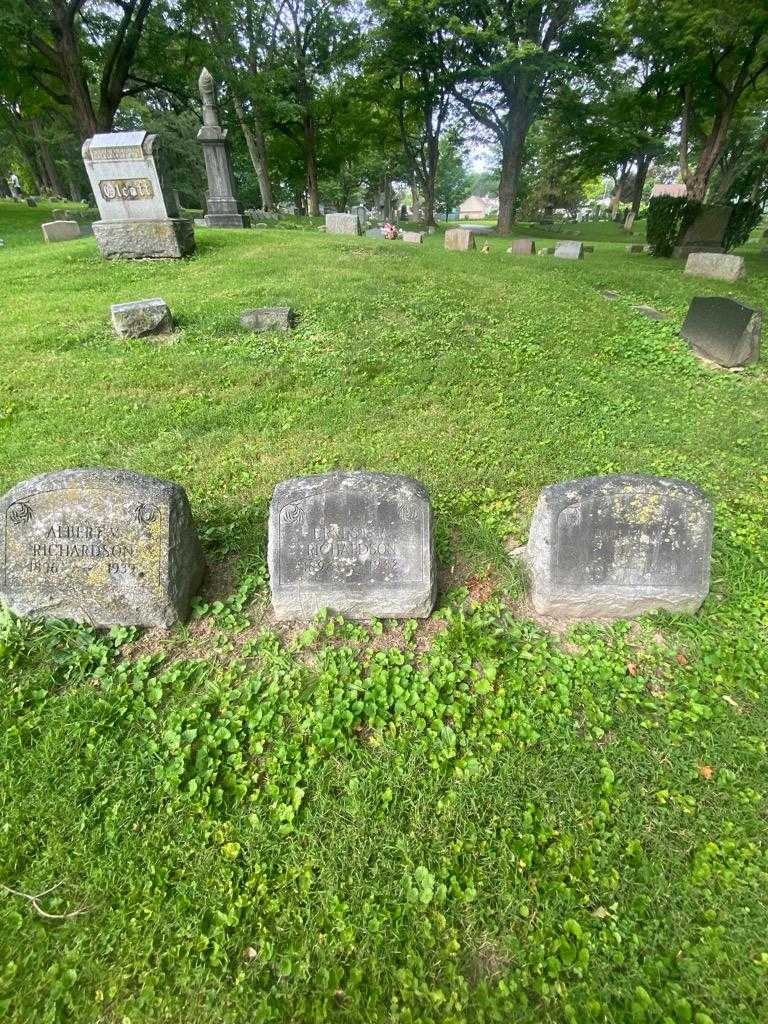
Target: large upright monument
139 214
224 210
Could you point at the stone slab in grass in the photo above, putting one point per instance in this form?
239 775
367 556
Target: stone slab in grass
142 319
342 224
617 546
718 266
61 231
724 331
569 250
522 247
635 248
102 546
413 237
271 318
360 544
649 312
459 240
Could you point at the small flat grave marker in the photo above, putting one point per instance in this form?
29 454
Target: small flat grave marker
718 266
723 330
357 543
616 546
142 319
275 318
106 547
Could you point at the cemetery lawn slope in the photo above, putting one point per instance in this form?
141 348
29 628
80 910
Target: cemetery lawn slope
473 819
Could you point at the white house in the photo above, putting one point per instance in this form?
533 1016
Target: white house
478 207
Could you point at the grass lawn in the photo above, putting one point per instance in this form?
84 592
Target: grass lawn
469 820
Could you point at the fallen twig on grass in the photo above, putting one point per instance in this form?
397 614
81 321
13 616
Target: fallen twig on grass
33 900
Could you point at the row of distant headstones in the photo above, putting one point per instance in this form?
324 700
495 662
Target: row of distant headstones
113 547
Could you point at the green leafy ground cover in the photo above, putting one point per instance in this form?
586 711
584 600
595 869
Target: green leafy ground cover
476 820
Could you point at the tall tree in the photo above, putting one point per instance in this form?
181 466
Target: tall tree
715 56
508 55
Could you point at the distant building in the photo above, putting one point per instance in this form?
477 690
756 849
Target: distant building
477 207
671 188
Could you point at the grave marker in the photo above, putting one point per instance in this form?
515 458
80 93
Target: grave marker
616 546
139 216
569 250
723 330
342 224
522 247
61 230
106 547
715 265
459 240
223 210
358 543
413 237
275 318
142 318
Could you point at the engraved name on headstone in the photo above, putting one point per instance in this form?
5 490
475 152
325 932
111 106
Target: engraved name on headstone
615 546
106 547
357 543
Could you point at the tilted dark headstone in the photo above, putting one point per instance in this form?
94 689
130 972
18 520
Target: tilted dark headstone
615 546
359 544
275 318
723 330
707 232
102 546
142 318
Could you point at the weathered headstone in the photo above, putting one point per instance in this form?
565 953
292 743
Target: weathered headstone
276 318
374 233
615 546
223 210
342 224
723 330
459 240
718 266
413 237
142 319
707 232
629 220
362 215
569 250
522 247
139 217
357 543
61 230
106 547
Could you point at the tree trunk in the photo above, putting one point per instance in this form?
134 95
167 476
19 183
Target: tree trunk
620 183
643 163
71 70
697 182
257 150
48 167
310 158
511 157
387 205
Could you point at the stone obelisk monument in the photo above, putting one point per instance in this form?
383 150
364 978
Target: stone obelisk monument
224 210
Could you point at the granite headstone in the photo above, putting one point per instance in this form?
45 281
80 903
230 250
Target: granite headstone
569 250
616 546
273 318
342 224
139 216
459 240
715 265
707 232
723 330
359 544
522 247
142 319
106 547
413 237
61 230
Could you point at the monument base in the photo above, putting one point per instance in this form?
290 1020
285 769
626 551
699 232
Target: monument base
226 220
170 238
